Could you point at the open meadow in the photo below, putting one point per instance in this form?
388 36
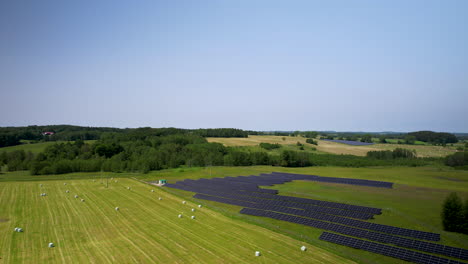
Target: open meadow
143 230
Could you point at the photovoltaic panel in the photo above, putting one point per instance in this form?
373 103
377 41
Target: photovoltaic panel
395 252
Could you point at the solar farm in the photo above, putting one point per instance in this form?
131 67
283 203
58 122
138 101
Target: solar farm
349 142
346 221
287 216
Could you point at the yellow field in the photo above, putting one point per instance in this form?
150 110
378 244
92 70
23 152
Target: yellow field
336 148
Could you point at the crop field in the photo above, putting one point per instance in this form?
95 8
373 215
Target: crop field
143 230
337 148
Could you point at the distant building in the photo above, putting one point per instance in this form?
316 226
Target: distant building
48 133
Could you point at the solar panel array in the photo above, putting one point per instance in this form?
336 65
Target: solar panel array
369 183
349 142
370 235
337 217
395 252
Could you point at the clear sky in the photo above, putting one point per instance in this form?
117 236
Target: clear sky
261 65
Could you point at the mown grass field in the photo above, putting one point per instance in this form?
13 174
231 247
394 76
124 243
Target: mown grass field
144 230
36 147
336 148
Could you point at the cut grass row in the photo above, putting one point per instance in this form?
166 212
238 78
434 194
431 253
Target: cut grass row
144 230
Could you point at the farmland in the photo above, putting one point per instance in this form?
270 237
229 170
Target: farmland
337 148
144 230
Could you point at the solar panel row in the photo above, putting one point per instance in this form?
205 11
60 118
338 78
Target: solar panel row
349 142
386 250
362 182
276 203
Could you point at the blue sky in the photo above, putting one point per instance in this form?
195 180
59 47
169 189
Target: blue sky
260 65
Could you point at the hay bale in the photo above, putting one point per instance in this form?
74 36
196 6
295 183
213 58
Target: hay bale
199 206
180 216
303 248
16 229
76 196
257 253
160 198
82 200
20 229
64 183
51 245
128 188
193 209
152 190
67 191
116 208
40 185
193 217
184 202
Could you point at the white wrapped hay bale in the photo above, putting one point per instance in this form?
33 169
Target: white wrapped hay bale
67 191
160 198
199 206
64 183
128 188
180 216
51 245
76 195
116 208
20 230
193 209
193 217
152 190
184 202
82 200
257 253
40 185
303 248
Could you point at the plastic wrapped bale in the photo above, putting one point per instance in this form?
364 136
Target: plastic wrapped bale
193 217
303 248
64 183
116 208
152 190
82 200
67 191
193 209
16 229
20 229
45 194
184 202
180 216
128 188
257 253
51 245
199 206
76 196
160 198
40 184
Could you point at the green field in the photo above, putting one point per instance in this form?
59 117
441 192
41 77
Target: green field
144 230
147 230
36 147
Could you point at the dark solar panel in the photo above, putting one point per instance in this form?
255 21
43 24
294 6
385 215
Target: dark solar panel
386 250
